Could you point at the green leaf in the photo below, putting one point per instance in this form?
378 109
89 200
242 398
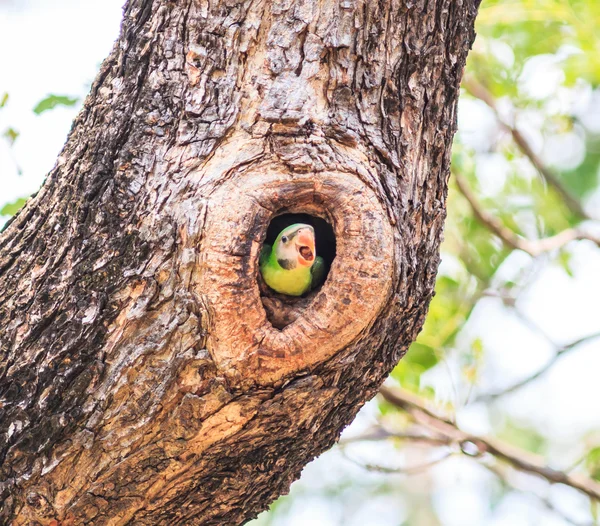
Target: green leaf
477 348
10 209
472 361
3 100
11 135
592 463
409 375
422 355
51 101
520 435
564 260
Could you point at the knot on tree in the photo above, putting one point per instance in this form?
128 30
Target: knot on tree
258 337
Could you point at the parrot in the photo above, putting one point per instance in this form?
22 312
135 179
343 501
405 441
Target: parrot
291 266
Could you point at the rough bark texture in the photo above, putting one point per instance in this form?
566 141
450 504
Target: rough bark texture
140 380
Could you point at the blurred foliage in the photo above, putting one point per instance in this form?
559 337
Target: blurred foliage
52 101
10 134
523 437
592 462
10 209
561 39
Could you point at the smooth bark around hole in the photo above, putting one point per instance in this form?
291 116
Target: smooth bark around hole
140 379
245 345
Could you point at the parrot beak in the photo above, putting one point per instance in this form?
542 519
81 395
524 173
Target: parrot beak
305 245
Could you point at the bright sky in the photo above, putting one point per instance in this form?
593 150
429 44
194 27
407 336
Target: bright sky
56 47
47 47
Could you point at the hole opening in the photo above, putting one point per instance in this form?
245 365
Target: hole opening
282 309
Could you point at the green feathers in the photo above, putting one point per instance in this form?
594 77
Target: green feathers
291 265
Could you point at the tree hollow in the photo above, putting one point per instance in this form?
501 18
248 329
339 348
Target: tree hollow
357 287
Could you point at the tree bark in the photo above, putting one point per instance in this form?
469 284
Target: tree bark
141 378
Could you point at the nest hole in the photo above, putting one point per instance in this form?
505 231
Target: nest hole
282 309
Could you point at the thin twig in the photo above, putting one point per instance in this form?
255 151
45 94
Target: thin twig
408 470
519 459
488 397
500 471
477 90
512 240
379 433
505 478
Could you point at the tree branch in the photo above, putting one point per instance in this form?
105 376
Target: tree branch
379 433
522 383
506 480
508 237
477 90
519 459
408 470
502 472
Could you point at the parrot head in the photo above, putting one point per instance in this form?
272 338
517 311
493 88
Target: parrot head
295 246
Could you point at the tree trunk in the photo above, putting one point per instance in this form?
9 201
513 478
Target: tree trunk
144 376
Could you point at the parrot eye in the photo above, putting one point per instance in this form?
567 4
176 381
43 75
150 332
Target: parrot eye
284 239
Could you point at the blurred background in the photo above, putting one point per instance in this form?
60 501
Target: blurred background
493 417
